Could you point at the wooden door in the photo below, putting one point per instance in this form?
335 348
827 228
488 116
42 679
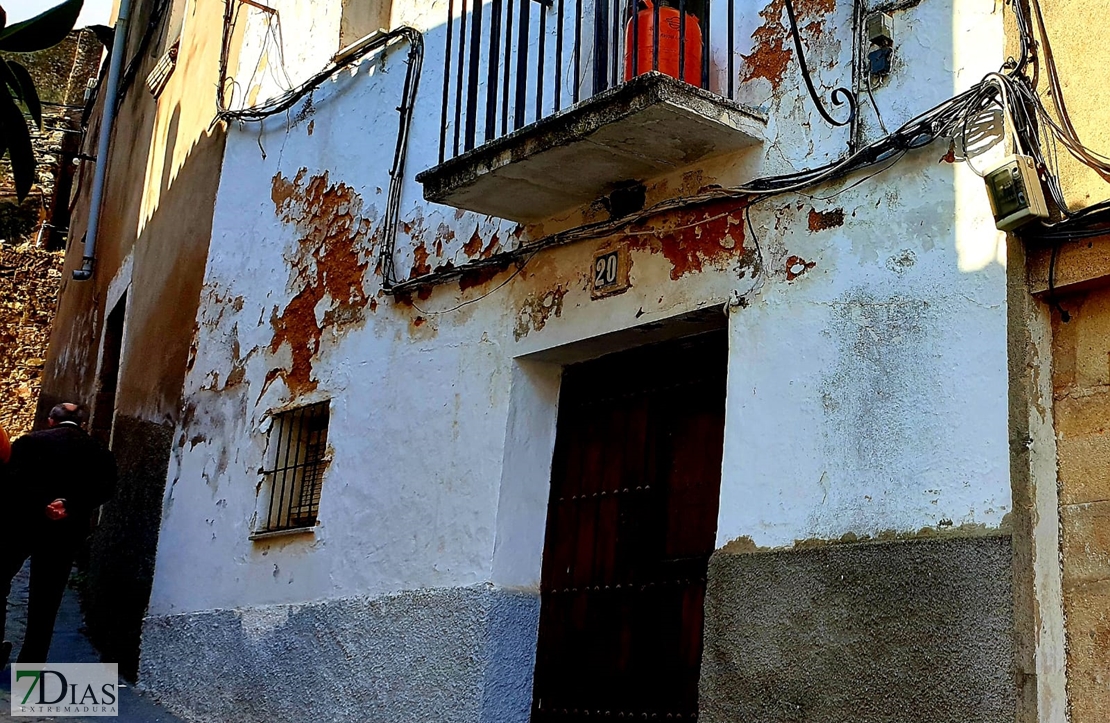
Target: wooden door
631 523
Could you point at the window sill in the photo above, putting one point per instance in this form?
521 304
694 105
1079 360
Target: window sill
255 536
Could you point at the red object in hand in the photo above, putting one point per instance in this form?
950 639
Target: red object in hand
670 43
5 447
56 510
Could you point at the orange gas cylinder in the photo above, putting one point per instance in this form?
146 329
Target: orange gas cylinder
670 24
5 447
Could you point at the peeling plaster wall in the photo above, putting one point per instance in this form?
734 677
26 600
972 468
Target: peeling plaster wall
162 177
867 381
849 386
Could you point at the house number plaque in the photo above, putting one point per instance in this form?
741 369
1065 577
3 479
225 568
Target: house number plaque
609 272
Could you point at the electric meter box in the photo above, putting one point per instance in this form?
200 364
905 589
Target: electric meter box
1015 193
880 29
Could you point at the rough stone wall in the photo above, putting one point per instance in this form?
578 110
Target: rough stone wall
29 280
434 656
1080 358
1081 383
61 75
30 277
887 632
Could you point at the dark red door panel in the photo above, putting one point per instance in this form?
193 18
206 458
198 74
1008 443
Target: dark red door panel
631 523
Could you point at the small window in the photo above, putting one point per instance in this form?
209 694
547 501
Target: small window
290 498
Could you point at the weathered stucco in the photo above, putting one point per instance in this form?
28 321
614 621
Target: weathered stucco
152 248
866 397
874 633
458 656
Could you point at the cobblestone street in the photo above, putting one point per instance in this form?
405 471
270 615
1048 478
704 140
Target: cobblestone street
69 646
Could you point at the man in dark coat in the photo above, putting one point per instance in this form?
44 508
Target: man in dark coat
56 479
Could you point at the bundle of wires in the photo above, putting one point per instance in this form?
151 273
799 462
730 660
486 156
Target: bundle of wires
1036 128
1011 91
945 120
290 98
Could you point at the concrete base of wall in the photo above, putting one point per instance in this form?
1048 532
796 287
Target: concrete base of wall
433 656
870 633
121 552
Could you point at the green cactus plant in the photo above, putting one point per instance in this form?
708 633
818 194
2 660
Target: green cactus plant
43 31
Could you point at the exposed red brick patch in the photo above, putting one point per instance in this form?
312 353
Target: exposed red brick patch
328 262
796 266
538 308
821 220
691 240
445 233
420 265
770 54
814 8
492 247
481 276
950 156
473 247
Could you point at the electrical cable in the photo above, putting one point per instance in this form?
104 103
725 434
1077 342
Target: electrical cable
916 133
290 98
1011 91
519 268
287 100
871 95
948 119
1052 298
1068 135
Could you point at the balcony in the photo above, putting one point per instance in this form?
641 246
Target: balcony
542 112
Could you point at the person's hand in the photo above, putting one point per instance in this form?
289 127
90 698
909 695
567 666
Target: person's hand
56 510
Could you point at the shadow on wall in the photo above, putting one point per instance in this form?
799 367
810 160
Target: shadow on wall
169 255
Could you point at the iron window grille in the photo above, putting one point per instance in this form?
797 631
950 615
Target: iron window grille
294 477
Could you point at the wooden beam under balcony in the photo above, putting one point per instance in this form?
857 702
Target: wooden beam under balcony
640 130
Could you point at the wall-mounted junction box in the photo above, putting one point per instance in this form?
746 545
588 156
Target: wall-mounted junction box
880 29
880 33
1015 192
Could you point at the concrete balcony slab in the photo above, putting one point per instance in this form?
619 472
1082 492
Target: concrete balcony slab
640 130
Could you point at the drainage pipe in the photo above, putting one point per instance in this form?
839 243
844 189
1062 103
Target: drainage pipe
115 64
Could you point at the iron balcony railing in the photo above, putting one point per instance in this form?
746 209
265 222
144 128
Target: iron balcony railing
509 63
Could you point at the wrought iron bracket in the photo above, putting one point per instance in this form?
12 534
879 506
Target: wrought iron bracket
839 96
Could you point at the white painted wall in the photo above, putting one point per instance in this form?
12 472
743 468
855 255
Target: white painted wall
865 395
869 395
